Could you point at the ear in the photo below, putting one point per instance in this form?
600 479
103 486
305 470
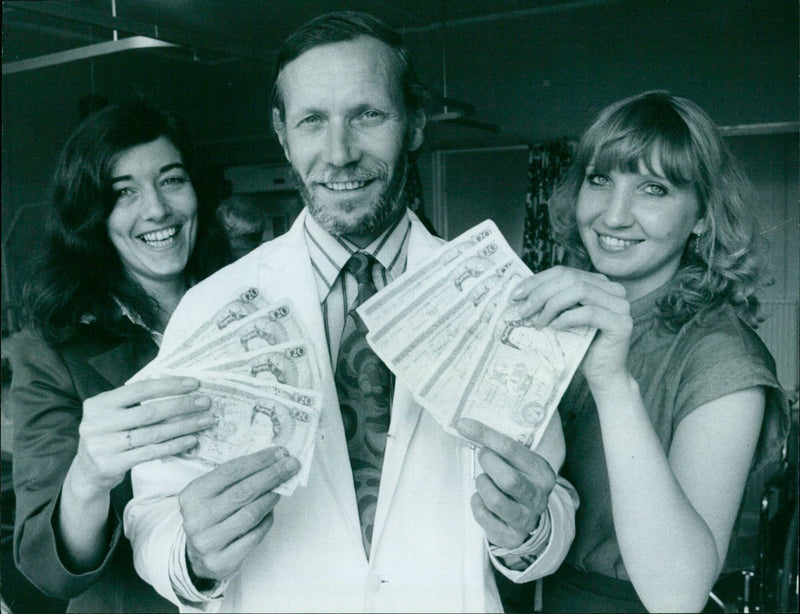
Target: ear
416 130
699 227
280 131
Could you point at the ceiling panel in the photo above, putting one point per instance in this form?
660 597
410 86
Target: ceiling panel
536 68
251 27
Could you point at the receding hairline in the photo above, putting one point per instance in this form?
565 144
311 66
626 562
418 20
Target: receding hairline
393 56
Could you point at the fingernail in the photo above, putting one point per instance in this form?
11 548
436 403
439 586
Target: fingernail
465 426
190 383
290 464
202 401
207 421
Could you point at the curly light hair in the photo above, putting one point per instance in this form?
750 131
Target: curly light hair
721 265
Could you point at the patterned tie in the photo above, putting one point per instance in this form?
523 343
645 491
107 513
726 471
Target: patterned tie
363 384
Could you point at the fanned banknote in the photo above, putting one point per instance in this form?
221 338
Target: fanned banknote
247 302
273 325
437 297
304 396
397 297
256 363
434 339
521 373
248 420
440 387
457 340
291 364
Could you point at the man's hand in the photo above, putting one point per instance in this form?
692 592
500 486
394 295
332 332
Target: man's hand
227 512
514 490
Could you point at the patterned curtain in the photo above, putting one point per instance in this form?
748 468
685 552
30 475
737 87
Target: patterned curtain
547 162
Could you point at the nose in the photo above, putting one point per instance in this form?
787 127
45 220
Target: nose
618 211
342 145
154 204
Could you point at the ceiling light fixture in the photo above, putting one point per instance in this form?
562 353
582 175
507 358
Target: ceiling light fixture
448 109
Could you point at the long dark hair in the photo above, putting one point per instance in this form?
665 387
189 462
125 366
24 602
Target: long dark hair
723 265
81 276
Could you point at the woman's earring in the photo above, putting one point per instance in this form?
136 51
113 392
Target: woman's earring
697 251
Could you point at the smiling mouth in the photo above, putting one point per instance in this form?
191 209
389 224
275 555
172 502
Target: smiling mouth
345 186
163 237
614 244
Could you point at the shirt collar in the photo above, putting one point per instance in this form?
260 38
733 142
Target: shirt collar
136 319
329 254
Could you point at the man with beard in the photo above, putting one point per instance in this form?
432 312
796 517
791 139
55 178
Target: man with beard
392 517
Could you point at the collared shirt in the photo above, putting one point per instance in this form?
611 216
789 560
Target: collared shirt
89 318
338 291
137 320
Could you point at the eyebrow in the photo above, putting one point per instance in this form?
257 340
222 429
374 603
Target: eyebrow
163 169
648 174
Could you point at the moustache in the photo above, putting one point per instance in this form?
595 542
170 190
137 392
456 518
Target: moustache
345 175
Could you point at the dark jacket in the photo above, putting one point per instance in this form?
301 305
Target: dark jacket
48 387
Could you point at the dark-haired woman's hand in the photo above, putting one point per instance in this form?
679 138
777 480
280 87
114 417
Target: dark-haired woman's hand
563 297
135 423
121 428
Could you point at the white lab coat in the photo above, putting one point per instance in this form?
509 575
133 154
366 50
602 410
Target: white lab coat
428 553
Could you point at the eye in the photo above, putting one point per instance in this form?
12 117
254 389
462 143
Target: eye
597 179
310 121
124 193
175 180
372 114
655 189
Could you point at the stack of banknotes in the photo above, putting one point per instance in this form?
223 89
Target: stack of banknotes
256 363
451 333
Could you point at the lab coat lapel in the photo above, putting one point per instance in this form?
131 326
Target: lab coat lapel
405 411
287 272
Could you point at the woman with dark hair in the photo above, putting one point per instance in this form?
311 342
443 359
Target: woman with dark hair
677 398
131 231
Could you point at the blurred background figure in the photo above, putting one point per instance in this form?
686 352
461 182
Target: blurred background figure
244 222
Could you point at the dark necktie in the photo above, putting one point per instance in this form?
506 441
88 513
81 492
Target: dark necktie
363 384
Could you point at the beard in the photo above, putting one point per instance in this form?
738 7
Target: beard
384 210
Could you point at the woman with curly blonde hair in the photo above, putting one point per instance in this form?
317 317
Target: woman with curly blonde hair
677 398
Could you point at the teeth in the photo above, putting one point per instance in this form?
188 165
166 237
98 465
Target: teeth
614 243
345 185
159 238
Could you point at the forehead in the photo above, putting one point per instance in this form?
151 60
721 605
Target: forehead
345 74
644 165
146 156
668 155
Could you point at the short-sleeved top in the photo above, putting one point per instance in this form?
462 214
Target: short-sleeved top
677 372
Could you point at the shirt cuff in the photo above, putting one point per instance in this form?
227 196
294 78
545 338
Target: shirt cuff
532 547
554 544
181 582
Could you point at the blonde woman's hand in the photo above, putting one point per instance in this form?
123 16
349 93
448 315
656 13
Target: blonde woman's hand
563 297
